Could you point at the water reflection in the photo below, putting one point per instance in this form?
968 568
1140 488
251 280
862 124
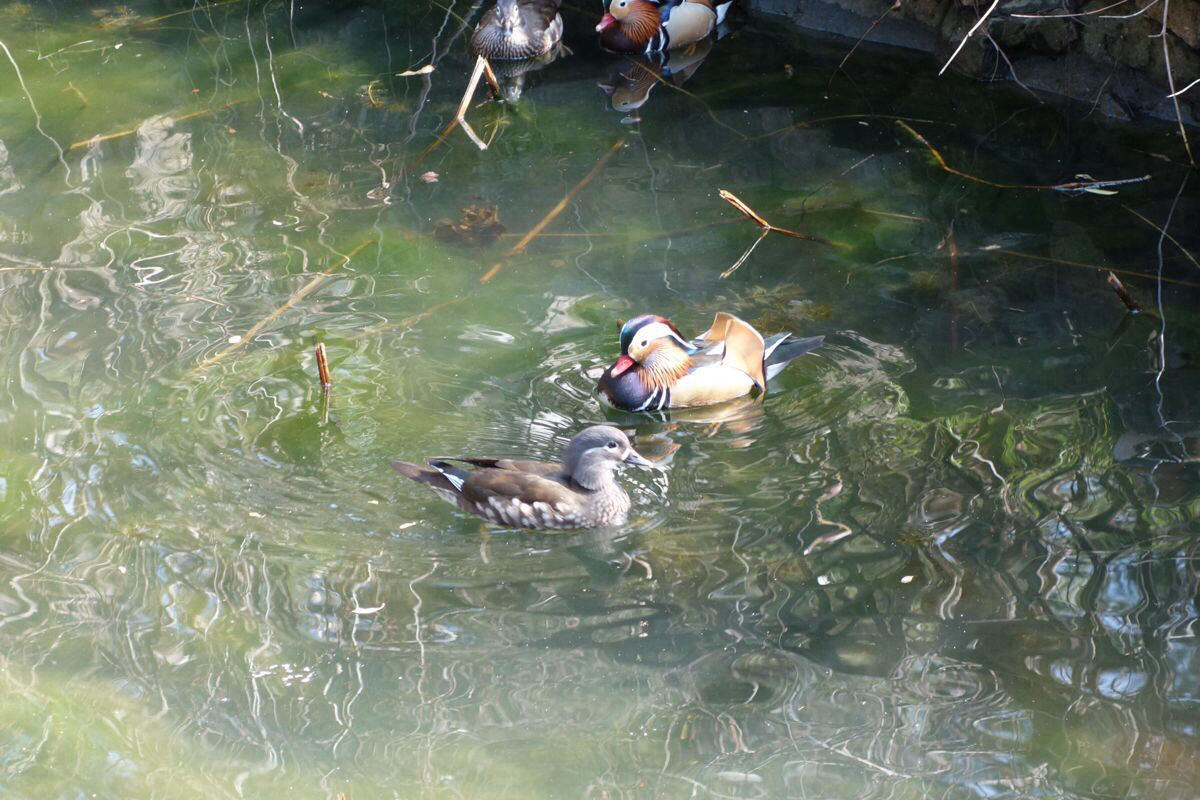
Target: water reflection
953 552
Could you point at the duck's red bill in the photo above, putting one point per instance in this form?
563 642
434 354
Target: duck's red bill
623 363
606 22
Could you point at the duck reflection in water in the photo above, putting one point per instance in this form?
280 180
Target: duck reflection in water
630 87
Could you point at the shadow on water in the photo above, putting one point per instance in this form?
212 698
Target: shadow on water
951 553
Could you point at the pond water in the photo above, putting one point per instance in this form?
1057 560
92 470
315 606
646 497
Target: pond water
953 553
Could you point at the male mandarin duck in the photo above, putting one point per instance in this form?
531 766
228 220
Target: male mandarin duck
649 26
659 369
513 30
581 492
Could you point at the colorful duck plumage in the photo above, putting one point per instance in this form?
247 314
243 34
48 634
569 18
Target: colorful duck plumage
581 492
650 26
659 369
514 30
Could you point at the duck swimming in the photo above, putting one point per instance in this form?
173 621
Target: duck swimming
649 26
514 30
659 369
581 492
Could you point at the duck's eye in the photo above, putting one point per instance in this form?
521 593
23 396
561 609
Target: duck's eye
621 4
643 342
611 445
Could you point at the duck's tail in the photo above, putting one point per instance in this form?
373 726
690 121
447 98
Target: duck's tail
782 348
444 479
722 9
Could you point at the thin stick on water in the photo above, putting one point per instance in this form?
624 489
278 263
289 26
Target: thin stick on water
301 293
765 227
520 246
1115 284
746 254
323 367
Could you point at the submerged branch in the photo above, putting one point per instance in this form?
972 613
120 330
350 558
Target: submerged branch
1086 185
300 294
553 213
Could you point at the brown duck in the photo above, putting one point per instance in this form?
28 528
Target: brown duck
581 492
514 30
650 26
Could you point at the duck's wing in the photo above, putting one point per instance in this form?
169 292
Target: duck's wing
521 499
688 21
543 468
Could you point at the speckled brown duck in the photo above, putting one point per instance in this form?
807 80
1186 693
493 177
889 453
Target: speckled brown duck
659 369
650 26
580 492
514 30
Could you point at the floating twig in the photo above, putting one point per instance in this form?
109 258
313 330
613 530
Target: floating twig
765 227
1115 284
1086 185
304 291
323 367
520 246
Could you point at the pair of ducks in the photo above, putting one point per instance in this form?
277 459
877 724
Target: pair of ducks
515 30
657 369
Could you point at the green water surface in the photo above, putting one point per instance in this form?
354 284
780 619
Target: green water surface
954 553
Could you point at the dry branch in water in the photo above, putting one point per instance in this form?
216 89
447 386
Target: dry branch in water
1087 184
766 227
482 68
104 137
554 212
300 294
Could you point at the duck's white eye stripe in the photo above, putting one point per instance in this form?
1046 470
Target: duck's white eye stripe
659 330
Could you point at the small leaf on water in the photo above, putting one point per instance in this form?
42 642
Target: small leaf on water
429 177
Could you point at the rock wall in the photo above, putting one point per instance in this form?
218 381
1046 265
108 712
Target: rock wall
1101 52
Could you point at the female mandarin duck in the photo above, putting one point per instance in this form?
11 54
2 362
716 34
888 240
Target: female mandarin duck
649 26
659 369
581 492
513 30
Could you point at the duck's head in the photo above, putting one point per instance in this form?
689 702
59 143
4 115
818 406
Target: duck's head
620 10
595 452
653 342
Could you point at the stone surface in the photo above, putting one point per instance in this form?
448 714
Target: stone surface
1116 64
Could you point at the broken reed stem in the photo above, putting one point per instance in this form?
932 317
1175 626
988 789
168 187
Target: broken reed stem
1069 186
760 221
482 68
894 7
323 367
300 294
1115 284
520 246
765 227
